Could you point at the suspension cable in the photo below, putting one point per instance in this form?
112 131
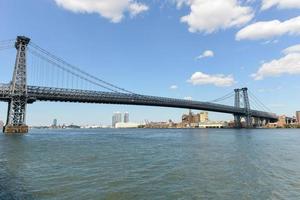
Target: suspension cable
6 44
6 47
226 96
7 41
76 68
67 70
259 102
255 105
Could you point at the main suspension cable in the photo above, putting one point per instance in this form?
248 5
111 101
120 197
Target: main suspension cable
67 70
77 69
258 101
226 96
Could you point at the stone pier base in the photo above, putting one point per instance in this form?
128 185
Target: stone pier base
10 129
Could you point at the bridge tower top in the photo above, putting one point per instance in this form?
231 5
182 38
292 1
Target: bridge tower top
21 40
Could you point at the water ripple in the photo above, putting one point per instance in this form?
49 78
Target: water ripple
151 164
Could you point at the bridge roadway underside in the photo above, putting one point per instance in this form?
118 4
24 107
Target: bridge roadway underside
36 93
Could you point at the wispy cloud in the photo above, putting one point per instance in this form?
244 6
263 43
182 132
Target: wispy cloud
269 29
173 87
206 54
288 64
282 4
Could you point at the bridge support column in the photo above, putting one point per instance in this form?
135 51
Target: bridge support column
263 122
237 121
248 117
257 122
237 104
17 105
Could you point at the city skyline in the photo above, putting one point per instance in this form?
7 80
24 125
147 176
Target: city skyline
188 60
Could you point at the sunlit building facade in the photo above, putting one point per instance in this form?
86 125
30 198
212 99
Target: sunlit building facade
116 118
126 117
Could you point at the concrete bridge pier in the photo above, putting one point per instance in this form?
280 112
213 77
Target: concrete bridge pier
255 122
258 122
237 121
12 129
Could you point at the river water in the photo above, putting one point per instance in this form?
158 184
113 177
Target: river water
151 164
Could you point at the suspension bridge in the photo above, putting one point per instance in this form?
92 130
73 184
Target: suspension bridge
41 76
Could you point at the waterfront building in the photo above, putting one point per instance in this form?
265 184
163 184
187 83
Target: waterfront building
281 121
298 116
213 125
116 118
284 121
157 125
196 118
126 117
126 125
193 120
190 118
203 117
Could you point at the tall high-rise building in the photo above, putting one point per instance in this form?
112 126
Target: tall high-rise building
116 118
298 116
126 117
54 124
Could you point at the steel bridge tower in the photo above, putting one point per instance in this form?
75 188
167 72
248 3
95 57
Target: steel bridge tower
15 122
248 117
237 104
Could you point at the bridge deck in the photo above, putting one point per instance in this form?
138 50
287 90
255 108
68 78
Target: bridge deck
36 93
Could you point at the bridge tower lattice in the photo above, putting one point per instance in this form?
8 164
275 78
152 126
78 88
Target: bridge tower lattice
237 104
16 114
248 117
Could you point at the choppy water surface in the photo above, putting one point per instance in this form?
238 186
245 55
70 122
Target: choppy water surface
151 164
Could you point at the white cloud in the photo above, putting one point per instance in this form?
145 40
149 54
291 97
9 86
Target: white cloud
173 87
111 9
282 4
188 98
137 8
220 80
205 54
288 64
211 15
292 49
270 42
269 29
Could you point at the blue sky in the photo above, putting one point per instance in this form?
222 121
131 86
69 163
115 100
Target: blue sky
176 48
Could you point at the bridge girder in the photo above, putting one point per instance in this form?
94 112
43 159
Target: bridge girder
36 93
